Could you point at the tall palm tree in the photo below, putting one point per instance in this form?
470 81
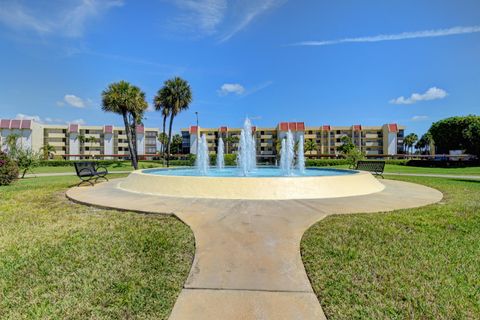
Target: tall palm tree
160 101
82 139
310 146
47 150
410 140
128 101
176 95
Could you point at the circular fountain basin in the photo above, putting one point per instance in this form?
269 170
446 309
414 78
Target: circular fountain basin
261 184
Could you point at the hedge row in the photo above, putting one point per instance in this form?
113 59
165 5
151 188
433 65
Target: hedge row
339 162
230 160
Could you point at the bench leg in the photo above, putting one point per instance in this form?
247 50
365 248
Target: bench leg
88 180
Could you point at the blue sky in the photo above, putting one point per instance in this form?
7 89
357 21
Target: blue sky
321 62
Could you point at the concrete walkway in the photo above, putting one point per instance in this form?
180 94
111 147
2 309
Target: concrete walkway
247 262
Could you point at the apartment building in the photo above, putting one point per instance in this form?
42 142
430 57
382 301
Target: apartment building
386 139
76 141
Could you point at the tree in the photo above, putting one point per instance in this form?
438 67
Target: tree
351 153
472 136
457 133
160 102
310 146
176 144
163 139
91 140
176 94
26 159
128 101
229 142
47 150
11 143
347 145
409 141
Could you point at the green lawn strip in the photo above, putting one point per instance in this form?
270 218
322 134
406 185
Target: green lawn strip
394 168
419 263
63 260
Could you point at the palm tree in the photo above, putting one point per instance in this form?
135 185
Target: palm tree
11 143
175 95
160 103
229 141
82 139
409 141
47 150
129 101
310 146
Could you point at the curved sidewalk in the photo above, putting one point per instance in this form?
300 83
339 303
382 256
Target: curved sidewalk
247 262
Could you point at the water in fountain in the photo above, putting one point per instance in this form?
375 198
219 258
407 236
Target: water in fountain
300 155
287 154
247 157
202 160
220 152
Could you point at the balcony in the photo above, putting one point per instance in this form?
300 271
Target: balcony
310 136
56 135
57 144
266 136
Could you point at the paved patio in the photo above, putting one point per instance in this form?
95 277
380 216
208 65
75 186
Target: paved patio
247 262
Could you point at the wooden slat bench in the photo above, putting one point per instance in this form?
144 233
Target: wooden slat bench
376 167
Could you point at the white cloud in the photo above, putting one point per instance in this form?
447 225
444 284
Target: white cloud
433 93
73 101
419 118
228 88
78 121
39 119
203 14
68 21
22 116
223 18
397 36
248 12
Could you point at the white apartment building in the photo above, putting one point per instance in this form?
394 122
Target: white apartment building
75 141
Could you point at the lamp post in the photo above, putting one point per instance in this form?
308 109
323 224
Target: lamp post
196 115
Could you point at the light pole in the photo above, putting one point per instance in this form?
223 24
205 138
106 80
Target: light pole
196 115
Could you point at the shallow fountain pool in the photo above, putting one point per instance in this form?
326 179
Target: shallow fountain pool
264 183
268 172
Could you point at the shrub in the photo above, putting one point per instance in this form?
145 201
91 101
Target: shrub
27 159
8 170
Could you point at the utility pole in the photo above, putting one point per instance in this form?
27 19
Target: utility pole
198 133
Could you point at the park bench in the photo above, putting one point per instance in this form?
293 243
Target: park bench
88 171
376 167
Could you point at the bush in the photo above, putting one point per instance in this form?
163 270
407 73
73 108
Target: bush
325 162
27 159
69 163
8 170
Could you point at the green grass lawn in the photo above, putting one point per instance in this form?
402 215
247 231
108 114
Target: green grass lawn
418 263
60 260
393 168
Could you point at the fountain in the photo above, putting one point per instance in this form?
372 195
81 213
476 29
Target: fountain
220 153
300 154
247 156
287 154
203 160
289 181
